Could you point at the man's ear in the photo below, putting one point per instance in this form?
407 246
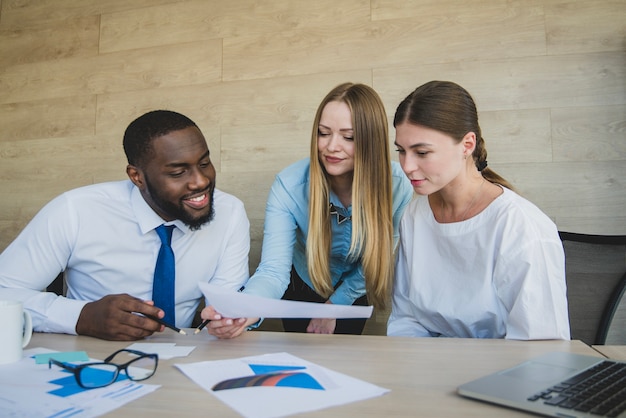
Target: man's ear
136 176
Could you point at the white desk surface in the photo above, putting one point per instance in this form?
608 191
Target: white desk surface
422 373
615 352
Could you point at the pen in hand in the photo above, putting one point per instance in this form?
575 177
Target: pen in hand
202 325
162 322
206 321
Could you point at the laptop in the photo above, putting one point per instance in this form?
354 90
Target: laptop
548 385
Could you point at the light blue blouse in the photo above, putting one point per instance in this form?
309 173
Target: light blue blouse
286 228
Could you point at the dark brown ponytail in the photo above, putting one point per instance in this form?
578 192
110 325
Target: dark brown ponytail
447 107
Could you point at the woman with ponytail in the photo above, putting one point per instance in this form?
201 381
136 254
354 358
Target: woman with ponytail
475 260
331 220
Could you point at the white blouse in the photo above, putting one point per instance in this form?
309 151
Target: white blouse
500 274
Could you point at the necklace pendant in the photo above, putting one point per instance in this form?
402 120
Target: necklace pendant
340 218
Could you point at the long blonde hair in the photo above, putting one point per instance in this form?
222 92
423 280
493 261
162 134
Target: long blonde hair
372 225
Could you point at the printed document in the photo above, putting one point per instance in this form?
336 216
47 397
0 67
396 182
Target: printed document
231 304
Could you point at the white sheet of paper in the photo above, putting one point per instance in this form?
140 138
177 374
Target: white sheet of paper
278 401
25 380
165 351
231 304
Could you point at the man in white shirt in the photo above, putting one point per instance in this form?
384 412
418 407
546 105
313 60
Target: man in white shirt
103 237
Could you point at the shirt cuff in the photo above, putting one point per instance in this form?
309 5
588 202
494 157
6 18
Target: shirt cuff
63 315
255 325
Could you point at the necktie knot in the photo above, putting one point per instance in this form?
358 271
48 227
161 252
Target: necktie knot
165 233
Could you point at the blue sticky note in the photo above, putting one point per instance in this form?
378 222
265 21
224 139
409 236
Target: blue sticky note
64 356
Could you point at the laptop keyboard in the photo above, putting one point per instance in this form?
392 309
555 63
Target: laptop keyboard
600 390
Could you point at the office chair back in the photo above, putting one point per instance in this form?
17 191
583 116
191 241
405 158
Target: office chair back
595 269
616 317
58 285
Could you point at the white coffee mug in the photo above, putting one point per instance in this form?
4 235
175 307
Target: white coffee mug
16 328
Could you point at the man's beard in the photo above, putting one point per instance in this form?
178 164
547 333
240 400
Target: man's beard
177 211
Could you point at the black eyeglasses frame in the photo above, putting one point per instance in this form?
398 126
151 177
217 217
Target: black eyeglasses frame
77 368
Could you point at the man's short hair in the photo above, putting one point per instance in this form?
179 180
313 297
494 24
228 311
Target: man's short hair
140 133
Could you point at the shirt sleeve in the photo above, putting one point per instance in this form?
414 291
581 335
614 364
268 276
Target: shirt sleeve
402 321
351 288
272 276
531 285
32 261
232 269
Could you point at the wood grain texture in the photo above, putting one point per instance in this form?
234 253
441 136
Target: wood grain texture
588 133
34 13
386 43
517 136
410 368
585 26
202 20
186 64
594 79
49 41
52 118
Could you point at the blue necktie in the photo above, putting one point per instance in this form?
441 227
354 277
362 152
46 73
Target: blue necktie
164 273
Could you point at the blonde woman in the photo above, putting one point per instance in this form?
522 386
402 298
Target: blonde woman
332 219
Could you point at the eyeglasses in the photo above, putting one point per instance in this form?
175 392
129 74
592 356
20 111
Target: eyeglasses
96 375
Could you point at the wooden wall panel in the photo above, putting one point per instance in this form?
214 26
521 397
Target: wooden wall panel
77 37
589 133
35 171
549 78
201 20
522 83
53 118
460 11
585 26
31 13
567 191
186 64
384 44
517 136
264 147
116 110
58 159
251 187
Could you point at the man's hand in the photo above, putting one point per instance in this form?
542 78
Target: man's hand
225 327
112 318
322 326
